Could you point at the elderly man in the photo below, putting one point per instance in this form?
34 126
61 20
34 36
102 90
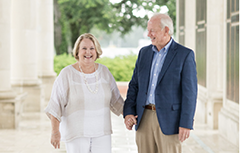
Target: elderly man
162 93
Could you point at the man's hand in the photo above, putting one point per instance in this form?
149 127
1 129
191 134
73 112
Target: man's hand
184 133
129 121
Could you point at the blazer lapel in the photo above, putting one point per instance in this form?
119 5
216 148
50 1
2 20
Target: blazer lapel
169 57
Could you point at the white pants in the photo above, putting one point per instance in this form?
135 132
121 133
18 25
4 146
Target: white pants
90 145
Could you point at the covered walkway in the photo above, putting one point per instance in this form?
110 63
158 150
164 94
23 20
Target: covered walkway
33 135
27 75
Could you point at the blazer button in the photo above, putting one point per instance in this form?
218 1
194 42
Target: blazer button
146 93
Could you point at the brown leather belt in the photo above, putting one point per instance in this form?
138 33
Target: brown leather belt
152 107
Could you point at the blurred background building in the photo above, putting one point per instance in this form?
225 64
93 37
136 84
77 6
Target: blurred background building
211 29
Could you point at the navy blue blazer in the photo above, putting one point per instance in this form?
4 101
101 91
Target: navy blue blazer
176 90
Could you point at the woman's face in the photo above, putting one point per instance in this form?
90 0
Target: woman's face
87 52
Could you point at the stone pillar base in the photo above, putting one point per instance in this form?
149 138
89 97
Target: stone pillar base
213 108
229 125
35 96
201 108
10 111
212 115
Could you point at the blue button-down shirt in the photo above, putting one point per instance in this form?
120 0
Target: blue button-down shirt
157 63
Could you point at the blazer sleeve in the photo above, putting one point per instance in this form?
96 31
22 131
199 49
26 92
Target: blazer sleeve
189 91
130 102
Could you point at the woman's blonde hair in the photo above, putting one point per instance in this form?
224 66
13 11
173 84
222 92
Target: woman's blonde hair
86 36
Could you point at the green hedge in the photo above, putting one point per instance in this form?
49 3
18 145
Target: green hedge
61 61
121 66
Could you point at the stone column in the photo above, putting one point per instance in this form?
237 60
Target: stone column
214 61
5 7
190 42
177 20
45 46
10 103
190 22
24 71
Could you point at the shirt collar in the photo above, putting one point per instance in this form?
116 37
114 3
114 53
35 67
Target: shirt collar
154 48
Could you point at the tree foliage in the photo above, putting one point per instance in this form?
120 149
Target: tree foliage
126 18
74 17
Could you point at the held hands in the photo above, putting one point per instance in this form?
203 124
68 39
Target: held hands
55 139
129 121
184 133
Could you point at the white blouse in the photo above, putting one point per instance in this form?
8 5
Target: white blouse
82 113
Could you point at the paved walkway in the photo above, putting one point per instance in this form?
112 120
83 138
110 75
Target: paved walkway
33 136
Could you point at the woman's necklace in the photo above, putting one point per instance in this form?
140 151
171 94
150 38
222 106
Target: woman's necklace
85 80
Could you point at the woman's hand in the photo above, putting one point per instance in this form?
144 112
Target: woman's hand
55 139
55 136
130 120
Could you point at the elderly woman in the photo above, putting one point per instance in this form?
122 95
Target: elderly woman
82 96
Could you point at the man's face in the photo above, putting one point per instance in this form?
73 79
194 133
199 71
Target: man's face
156 34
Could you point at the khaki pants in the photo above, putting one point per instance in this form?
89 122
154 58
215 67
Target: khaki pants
150 139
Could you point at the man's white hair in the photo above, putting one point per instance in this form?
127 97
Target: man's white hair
165 21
